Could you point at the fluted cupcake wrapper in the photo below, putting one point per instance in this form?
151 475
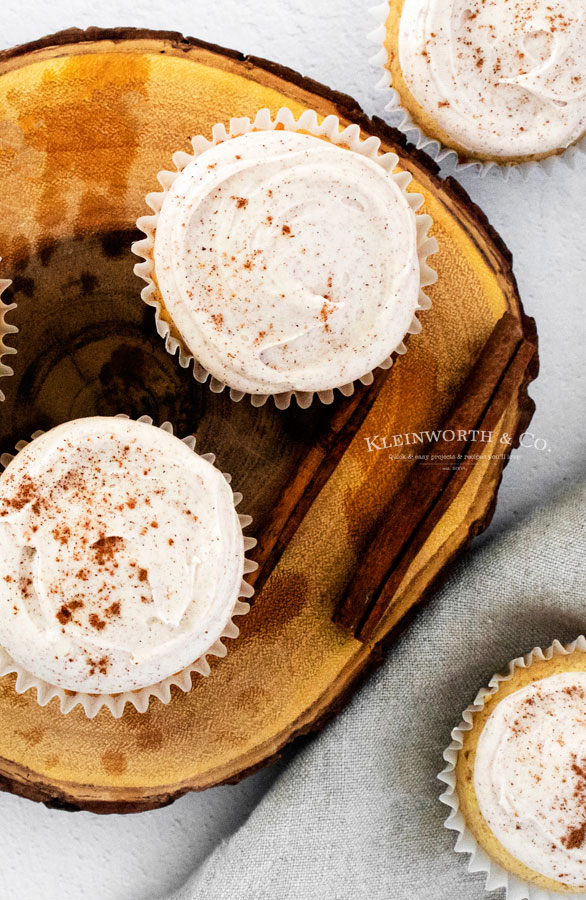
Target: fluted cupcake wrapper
496 876
308 122
400 118
140 699
5 329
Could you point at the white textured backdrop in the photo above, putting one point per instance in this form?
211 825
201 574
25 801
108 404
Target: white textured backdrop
63 856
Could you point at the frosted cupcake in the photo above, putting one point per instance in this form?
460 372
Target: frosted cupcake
122 558
517 776
284 261
494 80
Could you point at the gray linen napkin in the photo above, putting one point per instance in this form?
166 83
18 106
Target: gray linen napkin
355 815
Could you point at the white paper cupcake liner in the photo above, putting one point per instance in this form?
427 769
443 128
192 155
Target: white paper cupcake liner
140 699
5 329
447 157
308 121
496 877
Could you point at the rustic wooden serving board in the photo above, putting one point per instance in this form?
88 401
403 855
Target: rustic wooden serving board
86 121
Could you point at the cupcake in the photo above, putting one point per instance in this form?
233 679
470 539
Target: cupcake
517 776
501 81
5 329
285 258
122 558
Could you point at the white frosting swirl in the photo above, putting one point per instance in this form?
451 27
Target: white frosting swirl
121 555
287 262
503 78
530 776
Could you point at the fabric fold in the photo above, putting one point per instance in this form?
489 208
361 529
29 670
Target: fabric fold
355 813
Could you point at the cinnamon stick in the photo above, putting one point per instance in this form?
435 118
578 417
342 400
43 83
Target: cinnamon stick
310 477
409 518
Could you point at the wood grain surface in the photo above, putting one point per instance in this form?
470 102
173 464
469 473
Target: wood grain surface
87 120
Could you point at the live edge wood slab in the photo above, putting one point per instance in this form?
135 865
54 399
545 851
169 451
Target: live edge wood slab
86 121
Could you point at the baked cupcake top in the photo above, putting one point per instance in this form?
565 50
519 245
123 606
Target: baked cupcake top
502 78
530 776
287 262
121 555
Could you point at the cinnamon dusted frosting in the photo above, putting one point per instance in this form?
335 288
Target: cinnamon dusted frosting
287 262
121 555
502 78
530 776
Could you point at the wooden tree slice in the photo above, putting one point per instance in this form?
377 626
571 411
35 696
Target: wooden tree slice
87 119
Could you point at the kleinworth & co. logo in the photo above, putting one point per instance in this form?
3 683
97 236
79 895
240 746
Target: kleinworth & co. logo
451 445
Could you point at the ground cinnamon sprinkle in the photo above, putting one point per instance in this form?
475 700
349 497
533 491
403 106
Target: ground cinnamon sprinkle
66 611
96 622
575 837
26 493
100 665
62 534
325 312
106 547
576 834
